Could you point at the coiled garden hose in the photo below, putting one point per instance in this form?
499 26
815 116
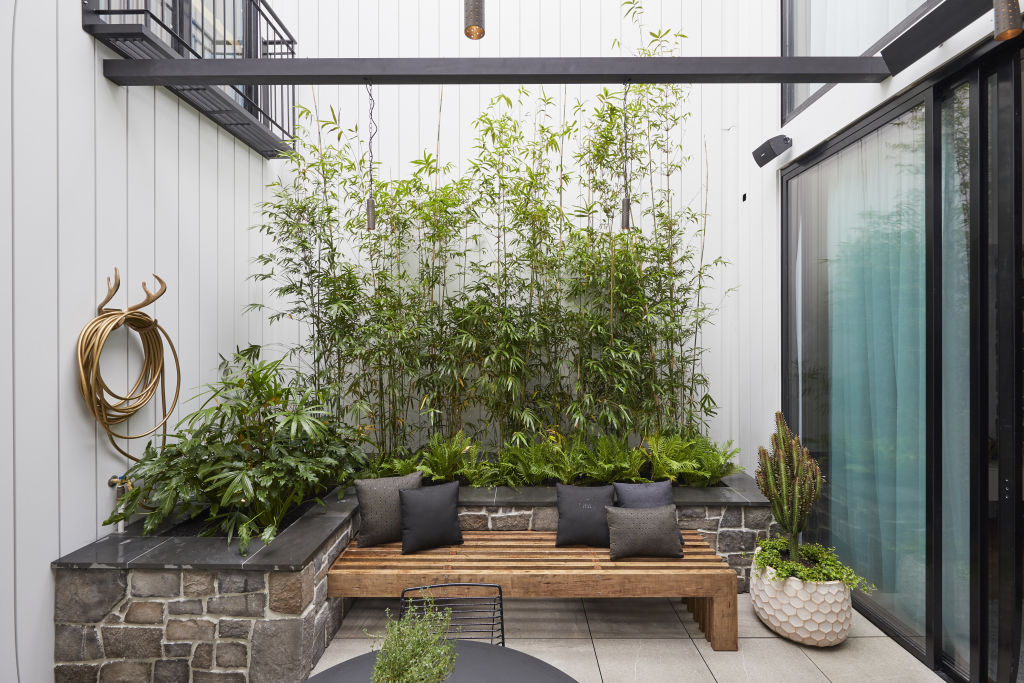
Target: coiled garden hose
108 407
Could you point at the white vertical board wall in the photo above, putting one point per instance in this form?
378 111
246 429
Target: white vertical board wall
729 121
92 177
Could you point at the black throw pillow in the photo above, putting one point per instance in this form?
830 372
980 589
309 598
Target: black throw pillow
380 510
430 517
651 495
643 532
581 515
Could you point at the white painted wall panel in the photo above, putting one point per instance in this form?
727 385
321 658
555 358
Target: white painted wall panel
35 326
8 649
92 177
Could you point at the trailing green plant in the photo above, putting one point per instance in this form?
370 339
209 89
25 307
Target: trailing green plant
790 479
257 448
812 562
415 648
506 300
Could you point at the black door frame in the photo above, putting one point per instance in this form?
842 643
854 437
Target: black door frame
1004 60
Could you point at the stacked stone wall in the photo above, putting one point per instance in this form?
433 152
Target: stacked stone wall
203 626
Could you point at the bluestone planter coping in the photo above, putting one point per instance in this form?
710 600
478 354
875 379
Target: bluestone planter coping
295 546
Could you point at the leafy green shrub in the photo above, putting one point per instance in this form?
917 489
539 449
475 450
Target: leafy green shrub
691 460
554 457
449 459
415 649
256 449
816 563
610 460
706 463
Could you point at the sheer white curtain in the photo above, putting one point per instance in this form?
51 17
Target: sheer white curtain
874 219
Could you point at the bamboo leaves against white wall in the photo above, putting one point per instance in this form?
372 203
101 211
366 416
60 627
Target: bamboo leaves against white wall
508 300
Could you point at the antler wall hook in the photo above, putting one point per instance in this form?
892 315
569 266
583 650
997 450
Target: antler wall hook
112 290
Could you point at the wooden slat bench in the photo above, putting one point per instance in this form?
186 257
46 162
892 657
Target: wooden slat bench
526 564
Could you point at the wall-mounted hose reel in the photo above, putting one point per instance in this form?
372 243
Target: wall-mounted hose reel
108 407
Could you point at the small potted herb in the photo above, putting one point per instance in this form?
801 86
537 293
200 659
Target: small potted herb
802 592
415 648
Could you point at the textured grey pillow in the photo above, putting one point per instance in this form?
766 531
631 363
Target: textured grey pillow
643 532
650 495
380 507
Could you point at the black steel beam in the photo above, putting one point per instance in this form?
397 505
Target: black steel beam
497 70
936 27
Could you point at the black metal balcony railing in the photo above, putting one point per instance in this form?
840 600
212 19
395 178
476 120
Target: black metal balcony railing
263 116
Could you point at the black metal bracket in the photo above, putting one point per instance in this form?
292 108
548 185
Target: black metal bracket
496 70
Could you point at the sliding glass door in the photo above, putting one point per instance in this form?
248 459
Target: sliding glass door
903 357
859 236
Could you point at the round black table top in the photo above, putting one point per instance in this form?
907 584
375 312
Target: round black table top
475 663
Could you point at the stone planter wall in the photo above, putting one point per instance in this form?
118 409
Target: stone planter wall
732 530
267 624
166 608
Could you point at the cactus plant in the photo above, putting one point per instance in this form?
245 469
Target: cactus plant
791 481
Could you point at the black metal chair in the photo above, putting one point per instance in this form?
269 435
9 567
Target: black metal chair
477 609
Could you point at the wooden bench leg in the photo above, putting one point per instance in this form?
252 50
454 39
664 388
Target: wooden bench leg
721 623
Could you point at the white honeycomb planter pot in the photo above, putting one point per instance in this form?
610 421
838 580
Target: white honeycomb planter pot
809 613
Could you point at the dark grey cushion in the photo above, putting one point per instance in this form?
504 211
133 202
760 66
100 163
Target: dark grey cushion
430 517
380 508
651 495
643 532
581 516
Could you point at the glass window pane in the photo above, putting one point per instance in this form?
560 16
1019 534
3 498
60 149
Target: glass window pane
858 249
956 375
819 28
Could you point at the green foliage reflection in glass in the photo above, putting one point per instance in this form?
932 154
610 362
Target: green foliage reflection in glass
257 448
507 300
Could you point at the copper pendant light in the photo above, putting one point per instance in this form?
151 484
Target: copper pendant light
1007 19
474 15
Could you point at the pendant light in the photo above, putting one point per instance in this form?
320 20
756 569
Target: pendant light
1007 19
625 159
371 207
473 11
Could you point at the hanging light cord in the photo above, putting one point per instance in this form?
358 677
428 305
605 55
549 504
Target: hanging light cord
625 137
373 130
108 407
625 158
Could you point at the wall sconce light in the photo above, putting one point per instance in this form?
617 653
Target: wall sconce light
474 14
1007 19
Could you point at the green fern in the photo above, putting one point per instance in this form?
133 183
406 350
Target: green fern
669 457
611 459
712 462
448 459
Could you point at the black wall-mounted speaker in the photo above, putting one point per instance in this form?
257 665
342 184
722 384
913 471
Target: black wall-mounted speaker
772 148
